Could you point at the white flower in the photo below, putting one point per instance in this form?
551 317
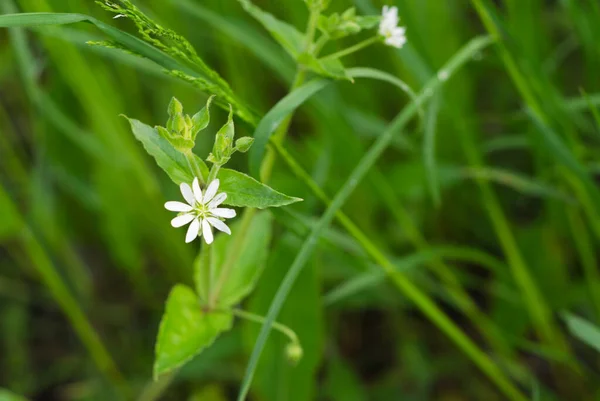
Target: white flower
201 211
388 28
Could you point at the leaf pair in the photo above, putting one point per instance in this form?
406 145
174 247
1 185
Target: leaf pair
242 190
188 324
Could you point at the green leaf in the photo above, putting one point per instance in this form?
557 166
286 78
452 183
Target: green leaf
248 265
584 330
287 36
245 191
329 67
201 119
6 395
185 330
166 156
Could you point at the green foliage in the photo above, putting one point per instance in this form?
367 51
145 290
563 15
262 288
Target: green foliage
584 330
232 276
166 156
244 191
509 148
186 329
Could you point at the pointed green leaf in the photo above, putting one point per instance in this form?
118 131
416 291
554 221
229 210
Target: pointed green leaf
201 119
583 330
166 156
245 191
287 35
185 330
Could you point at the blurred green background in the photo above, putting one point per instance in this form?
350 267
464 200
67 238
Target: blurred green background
83 231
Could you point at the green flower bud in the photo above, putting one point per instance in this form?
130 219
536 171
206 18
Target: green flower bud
175 107
223 147
294 352
244 143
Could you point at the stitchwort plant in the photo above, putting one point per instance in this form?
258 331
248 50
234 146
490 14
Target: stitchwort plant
249 237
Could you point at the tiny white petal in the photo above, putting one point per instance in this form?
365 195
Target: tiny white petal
187 193
219 225
223 212
211 191
118 16
207 232
182 220
197 190
192 231
174 206
217 200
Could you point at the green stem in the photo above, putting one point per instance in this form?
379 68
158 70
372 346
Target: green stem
194 167
214 170
283 329
352 49
319 44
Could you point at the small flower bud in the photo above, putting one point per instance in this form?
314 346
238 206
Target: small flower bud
175 107
294 352
244 143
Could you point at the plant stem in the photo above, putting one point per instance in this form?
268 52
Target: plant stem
194 167
352 49
283 329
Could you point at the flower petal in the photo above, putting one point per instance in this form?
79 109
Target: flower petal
211 191
219 225
217 200
186 191
182 220
174 206
192 231
223 212
207 232
197 190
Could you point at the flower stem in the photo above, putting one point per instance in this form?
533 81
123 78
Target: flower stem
352 49
193 165
214 170
283 329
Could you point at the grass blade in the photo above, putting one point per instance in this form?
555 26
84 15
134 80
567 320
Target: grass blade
429 150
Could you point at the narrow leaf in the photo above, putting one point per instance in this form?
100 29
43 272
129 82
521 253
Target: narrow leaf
287 36
185 330
245 191
429 150
584 330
